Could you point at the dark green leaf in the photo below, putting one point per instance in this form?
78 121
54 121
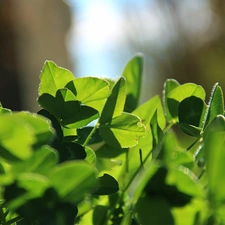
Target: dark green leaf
71 151
190 114
107 185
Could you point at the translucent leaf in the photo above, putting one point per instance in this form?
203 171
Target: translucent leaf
4 110
214 143
181 92
146 111
16 139
169 85
107 185
69 135
133 74
53 78
90 156
216 105
28 186
41 127
115 102
72 180
123 131
87 89
40 162
67 110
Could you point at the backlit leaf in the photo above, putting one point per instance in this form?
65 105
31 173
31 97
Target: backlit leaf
133 74
123 131
115 102
73 180
53 78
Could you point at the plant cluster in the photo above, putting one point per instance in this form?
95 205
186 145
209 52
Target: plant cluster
93 155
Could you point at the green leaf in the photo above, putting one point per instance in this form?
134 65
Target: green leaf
215 105
133 74
67 110
71 151
123 131
62 106
4 110
28 186
82 118
41 127
157 135
181 92
115 102
69 135
214 143
99 214
169 86
87 89
16 139
190 114
147 110
40 162
107 185
91 156
53 78
148 211
72 180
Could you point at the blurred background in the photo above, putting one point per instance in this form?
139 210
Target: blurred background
184 40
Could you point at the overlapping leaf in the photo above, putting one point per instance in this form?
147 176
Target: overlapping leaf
123 131
53 78
133 74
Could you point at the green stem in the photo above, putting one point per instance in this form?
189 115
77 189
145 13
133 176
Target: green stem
194 143
2 216
91 133
14 220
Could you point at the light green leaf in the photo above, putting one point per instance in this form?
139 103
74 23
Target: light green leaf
40 162
214 143
146 111
115 102
133 74
72 180
169 85
16 139
87 89
4 110
215 106
123 131
41 127
53 78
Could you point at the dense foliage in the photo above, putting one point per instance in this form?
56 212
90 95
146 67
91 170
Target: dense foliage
93 155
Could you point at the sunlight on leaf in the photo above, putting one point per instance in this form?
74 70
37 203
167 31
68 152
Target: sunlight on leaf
53 78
